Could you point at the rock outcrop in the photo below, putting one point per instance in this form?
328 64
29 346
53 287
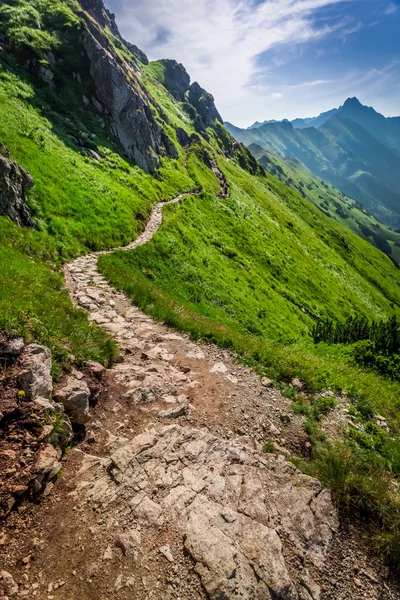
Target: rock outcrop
237 511
124 102
177 81
15 182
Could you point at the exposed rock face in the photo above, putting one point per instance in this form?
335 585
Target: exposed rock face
97 10
14 185
123 100
204 104
130 115
177 82
35 378
139 54
236 510
176 79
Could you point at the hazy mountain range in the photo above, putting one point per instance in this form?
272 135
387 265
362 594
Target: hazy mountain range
354 148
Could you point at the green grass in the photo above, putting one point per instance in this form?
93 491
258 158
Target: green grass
364 489
252 273
330 201
79 205
35 304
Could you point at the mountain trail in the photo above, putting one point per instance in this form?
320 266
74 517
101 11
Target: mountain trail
169 495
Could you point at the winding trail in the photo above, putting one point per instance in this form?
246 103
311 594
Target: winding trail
169 496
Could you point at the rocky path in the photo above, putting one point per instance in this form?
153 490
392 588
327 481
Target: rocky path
170 496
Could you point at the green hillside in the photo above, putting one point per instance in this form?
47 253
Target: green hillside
329 200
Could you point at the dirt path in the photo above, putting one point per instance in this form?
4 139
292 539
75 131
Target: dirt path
169 496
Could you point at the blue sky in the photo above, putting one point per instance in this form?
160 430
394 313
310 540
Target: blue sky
274 59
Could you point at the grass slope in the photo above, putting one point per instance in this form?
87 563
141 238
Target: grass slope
330 201
79 205
254 271
341 152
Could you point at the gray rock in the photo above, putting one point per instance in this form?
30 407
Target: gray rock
240 514
174 413
35 378
12 347
139 54
176 79
130 543
15 182
46 461
75 398
130 116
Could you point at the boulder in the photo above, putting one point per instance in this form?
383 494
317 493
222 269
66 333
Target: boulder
75 398
14 185
96 369
174 413
35 378
11 347
130 543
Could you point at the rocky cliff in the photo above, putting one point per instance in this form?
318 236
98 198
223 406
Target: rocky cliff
85 47
14 185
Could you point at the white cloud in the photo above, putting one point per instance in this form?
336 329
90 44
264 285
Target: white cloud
276 95
219 41
391 9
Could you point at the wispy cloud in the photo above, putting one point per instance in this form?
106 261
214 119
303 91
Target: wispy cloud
239 49
391 9
219 41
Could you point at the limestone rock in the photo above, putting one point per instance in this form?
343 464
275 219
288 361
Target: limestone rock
166 552
174 413
75 398
219 368
46 461
130 543
96 369
237 511
35 378
14 185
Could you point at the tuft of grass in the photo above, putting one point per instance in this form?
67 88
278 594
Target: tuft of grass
364 489
269 447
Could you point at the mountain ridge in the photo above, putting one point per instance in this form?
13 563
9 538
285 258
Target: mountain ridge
355 150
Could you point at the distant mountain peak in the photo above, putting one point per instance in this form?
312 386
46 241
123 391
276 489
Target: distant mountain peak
353 102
